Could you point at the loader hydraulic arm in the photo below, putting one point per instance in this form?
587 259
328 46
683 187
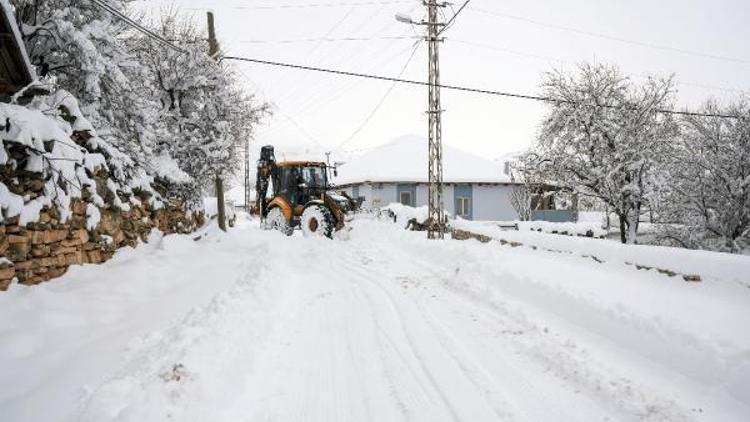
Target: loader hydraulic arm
266 168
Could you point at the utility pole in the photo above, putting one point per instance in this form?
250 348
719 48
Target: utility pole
247 176
435 230
213 51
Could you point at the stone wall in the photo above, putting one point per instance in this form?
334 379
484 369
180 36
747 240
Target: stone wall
68 197
45 249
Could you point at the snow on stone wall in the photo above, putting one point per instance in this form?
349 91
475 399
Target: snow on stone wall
67 197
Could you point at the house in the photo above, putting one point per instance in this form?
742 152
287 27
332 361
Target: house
474 187
15 69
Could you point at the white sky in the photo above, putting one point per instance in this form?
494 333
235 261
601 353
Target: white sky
319 112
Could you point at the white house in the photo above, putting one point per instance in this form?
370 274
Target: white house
475 188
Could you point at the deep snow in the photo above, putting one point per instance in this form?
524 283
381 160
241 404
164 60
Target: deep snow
386 325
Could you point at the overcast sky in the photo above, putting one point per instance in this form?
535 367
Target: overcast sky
495 44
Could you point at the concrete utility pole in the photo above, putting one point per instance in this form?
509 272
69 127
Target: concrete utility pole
436 230
213 51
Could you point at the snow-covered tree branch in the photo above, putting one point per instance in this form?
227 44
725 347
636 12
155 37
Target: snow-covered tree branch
603 138
178 115
707 195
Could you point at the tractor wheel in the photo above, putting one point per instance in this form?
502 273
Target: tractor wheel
317 220
275 220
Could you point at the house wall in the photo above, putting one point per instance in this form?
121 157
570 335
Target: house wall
383 194
488 202
493 202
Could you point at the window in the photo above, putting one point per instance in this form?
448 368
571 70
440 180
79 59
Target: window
314 177
464 206
405 199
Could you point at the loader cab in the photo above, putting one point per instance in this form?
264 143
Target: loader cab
300 181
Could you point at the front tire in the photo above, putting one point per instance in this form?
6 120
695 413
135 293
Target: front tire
317 221
275 220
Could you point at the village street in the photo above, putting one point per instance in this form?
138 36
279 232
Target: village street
383 325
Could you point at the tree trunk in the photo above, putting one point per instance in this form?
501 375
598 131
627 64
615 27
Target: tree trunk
623 228
220 203
632 223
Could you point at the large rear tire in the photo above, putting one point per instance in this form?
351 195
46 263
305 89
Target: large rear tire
317 221
275 220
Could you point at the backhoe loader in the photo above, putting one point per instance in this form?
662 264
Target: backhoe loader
301 197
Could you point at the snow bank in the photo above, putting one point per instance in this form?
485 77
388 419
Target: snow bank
61 339
405 213
669 334
210 207
712 266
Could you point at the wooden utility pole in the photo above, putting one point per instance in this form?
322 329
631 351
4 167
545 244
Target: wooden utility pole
213 51
247 176
436 228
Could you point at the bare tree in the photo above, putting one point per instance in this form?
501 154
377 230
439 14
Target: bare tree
603 138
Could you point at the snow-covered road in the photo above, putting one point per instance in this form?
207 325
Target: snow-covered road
384 326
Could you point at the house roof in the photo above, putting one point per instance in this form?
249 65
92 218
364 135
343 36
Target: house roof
405 160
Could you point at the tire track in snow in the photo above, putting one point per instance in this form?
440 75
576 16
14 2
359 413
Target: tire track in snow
552 408
556 354
421 357
386 343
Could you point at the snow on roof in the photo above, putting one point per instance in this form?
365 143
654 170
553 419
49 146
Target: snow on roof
405 160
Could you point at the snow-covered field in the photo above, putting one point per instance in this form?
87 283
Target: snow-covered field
383 326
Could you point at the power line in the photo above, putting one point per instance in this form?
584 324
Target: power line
458 87
314 5
382 100
611 37
453 19
568 62
135 25
327 39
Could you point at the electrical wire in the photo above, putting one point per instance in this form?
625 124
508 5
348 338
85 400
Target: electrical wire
453 19
320 40
135 25
460 88
318 5
382 99
610 37
568 62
